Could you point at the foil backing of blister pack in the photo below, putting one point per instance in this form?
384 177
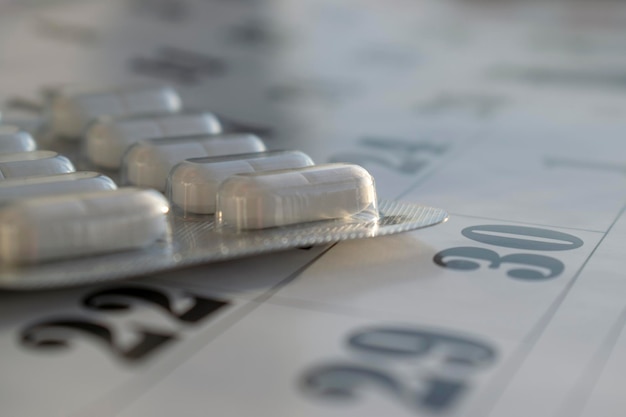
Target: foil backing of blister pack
193 242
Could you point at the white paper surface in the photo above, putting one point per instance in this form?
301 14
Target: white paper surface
510 115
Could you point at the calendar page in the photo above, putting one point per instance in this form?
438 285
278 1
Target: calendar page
510 115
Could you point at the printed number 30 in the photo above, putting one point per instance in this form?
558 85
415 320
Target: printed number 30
517 237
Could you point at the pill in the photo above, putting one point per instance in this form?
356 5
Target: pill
53 227
12 139
71 109
29 164
71 183
108 138
148 163
286 197
192 184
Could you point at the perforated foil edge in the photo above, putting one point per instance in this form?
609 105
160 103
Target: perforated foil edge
192 242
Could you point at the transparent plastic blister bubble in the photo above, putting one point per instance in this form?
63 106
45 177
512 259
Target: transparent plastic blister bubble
149 162
227 195
45 228
292 196
54 185
12 140
108 138
190 243
29 164
69 109
192 184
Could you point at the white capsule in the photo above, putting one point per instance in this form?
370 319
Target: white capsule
45 228
280 198
148 163
108 138
12 139
71 109
192 184
30 164
59 184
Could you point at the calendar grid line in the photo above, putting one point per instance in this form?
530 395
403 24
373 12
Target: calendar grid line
441 164
124 394
554 308
320 307
352 312
581 392
501 381
528 223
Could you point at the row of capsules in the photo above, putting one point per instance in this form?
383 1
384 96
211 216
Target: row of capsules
160 148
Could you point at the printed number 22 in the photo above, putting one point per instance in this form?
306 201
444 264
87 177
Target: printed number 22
58 333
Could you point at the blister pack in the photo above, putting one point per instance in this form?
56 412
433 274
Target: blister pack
189 193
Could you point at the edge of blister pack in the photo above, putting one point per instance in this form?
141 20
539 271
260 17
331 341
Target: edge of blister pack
198 242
